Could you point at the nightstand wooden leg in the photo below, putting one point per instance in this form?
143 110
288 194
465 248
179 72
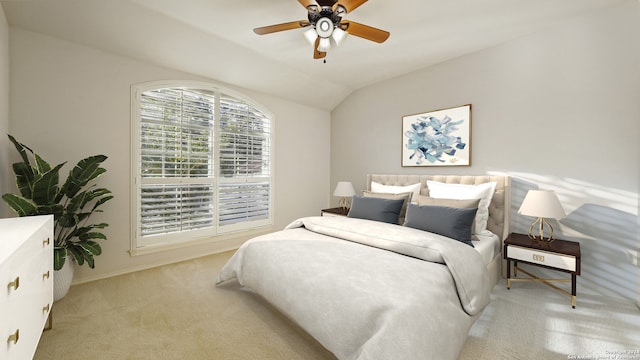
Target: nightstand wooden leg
508 274
573 290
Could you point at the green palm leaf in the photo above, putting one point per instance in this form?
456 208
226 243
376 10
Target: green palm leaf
59 258
41 165
54 209
77 253
24 179
45 188
20 205
85 170
22 150
91 247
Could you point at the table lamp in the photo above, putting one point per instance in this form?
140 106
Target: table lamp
542 204
344 189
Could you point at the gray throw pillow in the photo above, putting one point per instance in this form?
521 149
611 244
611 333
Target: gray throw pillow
443 220
377 209
404 196
454 203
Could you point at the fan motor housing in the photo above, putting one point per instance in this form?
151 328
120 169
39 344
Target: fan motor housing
325 12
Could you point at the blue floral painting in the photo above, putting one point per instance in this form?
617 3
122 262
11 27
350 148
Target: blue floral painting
437 138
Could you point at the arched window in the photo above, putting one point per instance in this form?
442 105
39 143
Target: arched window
201 163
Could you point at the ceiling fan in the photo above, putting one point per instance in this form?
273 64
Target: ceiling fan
326 24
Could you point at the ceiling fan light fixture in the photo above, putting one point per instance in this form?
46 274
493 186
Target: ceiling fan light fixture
324 45
311 36
324 27
338 35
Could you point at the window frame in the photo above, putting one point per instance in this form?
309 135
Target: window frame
153 243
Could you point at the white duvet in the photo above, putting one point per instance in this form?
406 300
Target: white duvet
365 289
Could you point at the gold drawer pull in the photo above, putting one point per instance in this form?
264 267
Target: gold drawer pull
45 242
15 284
13 338
46 308
538 257
45 275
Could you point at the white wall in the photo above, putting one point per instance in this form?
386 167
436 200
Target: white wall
556 110
5 144
69 101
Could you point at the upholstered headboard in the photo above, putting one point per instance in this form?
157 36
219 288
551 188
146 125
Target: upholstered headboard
499 209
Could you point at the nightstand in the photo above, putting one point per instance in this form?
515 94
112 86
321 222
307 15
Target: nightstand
338 211
559 255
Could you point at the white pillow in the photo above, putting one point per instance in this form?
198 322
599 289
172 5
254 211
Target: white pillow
391 189
484 192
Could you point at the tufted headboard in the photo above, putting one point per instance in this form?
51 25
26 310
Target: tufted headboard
499 209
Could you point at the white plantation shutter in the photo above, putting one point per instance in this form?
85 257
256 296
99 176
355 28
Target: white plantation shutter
244 186
202 166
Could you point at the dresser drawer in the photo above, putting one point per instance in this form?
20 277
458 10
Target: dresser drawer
26 274
541 257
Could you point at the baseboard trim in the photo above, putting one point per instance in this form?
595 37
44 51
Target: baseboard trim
229 247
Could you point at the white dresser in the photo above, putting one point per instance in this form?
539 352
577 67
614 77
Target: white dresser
26 283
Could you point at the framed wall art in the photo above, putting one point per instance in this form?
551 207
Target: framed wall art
437 138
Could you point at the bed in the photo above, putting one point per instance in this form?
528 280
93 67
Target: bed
368 289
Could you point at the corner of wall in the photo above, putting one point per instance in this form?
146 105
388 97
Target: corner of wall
4 111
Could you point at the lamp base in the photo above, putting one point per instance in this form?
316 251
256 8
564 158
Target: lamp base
344 203
541 222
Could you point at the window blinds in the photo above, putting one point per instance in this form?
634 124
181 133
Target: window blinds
204 163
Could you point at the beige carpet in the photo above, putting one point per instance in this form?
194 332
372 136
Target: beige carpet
176 312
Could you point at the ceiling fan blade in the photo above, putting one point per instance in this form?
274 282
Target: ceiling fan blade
351 5
307 3
365 32
318 54
281 27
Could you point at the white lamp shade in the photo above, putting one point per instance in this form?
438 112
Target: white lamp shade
311 36
324 45
542 203
344 189
338 35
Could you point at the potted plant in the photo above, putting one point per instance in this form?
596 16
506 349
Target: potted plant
72 205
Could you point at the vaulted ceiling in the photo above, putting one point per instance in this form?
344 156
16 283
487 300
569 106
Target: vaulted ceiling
214 38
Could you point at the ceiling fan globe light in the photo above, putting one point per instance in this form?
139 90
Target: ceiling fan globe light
324 45
338 35
311 36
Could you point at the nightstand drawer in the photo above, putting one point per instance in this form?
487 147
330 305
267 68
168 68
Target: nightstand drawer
330 214
339 211
566 262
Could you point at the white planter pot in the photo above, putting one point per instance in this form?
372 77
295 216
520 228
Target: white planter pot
62 279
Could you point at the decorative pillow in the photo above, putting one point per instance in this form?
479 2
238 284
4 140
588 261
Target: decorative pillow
447 221
392 189
454 203
404 196
378 209
484 192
